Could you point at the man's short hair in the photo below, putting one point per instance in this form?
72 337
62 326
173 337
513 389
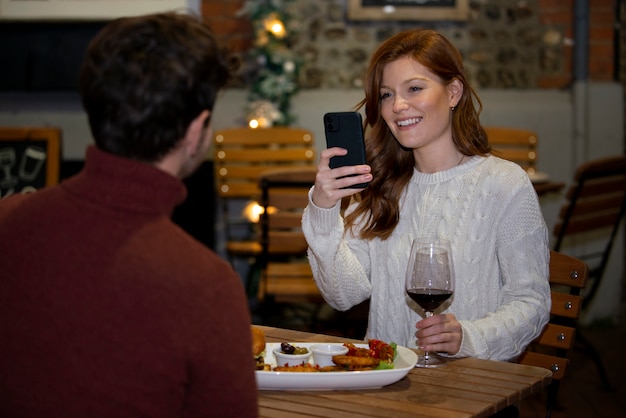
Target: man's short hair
145 79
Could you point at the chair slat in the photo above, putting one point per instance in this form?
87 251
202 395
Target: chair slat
289 199
282 242
577 226
295 173
558 365
511 136
290 282
586 207
260 154
514 144
251 248
602 167
596 187
293 269
239 190
289 221
254 137
572 273
566 305
557 336
242 172
516 155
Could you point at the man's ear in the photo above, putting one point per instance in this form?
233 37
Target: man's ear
194 136
455 91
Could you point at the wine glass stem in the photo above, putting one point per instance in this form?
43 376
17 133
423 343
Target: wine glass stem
426 356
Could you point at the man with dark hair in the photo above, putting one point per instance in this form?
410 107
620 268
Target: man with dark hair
107 308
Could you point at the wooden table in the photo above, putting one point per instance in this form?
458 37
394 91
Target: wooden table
548 187
463 388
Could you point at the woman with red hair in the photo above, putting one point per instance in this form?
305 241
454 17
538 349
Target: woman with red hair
431 175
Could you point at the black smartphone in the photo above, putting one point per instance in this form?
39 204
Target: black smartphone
345 130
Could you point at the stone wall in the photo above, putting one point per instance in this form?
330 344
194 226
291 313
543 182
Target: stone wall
506 43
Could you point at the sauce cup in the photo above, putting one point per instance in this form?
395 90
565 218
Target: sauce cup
283 359
323 353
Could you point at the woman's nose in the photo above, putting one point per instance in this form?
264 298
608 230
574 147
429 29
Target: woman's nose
399 104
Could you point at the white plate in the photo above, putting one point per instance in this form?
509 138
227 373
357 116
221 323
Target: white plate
368 379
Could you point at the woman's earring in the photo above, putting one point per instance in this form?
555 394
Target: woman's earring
452 108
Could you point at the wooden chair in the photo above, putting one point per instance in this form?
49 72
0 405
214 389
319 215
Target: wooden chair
592 215
241 155
552 349
595 203
286 276
513 144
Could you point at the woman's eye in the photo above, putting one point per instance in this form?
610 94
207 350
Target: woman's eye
414 88
383 96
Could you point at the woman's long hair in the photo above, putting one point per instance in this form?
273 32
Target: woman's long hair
392 165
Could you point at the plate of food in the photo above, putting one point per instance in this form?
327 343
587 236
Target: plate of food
353 370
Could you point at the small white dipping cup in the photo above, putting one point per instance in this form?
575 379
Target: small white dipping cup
290 359
323 353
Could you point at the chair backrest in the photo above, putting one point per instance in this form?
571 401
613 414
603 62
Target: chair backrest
551 350
513 144
596 201
286 273
242 154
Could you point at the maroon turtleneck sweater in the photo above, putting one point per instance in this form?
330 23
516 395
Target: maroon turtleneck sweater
108 309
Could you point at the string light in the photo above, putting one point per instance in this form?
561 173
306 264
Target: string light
253 211
274 25
260 122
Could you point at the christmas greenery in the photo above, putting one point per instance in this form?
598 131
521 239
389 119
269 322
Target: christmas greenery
276 66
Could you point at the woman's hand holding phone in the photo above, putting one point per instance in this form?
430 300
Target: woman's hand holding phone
343 169
333 184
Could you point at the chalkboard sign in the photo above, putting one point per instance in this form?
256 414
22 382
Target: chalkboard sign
29 159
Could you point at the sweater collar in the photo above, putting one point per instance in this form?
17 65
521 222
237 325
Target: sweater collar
441 176
126 184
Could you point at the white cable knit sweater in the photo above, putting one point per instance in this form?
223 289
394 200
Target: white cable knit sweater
488 209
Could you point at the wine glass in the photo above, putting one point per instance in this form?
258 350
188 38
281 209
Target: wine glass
430 282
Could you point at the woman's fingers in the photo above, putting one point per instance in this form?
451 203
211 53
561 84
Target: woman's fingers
333 184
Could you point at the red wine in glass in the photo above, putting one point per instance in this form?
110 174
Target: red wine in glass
429 282
429 299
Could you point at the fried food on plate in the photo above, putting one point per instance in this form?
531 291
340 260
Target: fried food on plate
300 368
332 369
355 361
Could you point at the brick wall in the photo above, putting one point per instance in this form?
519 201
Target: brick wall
221 15
602 40
557 14
234 31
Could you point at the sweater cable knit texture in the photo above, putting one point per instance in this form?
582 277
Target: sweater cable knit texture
488 209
